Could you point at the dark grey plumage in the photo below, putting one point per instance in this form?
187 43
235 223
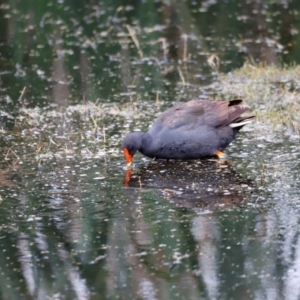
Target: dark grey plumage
195 129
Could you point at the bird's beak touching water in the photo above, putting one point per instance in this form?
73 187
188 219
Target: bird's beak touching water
128 157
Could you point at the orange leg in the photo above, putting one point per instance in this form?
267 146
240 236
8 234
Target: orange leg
221 155
222 158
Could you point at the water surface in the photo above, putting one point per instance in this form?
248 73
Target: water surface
75 78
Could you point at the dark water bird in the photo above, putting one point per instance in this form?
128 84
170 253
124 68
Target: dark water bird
191 130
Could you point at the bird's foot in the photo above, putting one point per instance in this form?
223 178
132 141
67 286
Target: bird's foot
222 158
221 155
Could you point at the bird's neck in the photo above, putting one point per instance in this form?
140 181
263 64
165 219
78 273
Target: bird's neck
145 144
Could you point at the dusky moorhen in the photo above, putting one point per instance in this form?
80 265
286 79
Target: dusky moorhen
191 130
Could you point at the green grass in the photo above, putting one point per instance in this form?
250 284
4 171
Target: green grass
272 92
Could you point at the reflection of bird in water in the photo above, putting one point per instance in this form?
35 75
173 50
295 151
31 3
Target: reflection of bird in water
191 183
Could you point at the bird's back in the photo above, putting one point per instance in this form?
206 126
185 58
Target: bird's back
195 129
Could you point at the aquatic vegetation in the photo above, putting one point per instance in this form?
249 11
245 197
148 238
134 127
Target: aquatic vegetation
272 92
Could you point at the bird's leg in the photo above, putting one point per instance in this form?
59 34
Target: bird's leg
222 157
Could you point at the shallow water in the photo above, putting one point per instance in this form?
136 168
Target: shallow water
75 223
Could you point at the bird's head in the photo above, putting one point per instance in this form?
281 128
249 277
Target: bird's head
132 142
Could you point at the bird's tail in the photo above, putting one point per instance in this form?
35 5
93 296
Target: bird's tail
240 122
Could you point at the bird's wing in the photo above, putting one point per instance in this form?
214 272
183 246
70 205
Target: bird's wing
200 112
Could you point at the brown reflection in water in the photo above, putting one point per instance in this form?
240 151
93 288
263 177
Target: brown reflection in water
136 236
84 67
60 76
172 32
207 234
125 64
260 41
260 45
203 183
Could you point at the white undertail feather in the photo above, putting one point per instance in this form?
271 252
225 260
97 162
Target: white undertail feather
233 125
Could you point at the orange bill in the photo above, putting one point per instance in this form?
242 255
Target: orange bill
128 156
